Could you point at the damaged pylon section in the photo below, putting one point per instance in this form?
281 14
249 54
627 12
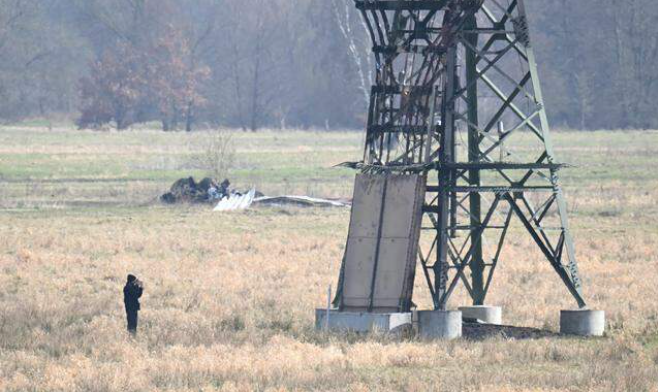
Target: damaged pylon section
456 100
377 275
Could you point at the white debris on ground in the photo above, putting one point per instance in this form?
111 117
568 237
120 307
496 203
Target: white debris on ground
237 202
187 190
301 201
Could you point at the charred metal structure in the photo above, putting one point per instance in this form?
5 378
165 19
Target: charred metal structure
457 106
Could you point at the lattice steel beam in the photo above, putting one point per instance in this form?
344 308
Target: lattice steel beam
449 75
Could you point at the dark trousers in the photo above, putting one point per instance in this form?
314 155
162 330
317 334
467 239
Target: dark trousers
132 320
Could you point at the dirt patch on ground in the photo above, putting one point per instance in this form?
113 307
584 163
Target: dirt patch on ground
476 331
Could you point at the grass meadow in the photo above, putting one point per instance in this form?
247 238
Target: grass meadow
229 300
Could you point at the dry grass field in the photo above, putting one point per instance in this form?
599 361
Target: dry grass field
230 297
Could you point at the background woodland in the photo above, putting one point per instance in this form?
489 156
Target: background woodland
286 63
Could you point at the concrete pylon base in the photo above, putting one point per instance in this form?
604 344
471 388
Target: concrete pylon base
582 322
483 313
361 322
439 324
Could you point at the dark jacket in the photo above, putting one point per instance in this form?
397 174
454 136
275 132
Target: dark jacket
131 293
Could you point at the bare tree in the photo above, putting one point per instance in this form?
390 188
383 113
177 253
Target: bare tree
255 42
303 63
357 46
636 49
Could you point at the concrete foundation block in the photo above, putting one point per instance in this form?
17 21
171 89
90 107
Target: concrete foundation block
582 322
483 313
438 324
361 322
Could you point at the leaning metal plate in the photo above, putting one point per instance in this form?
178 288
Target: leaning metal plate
382 244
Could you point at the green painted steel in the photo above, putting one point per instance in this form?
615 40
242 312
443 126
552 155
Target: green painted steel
458 98
477 265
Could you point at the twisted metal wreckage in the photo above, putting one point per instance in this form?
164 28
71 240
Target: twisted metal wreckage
442 177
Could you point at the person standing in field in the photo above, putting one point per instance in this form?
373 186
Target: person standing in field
131 293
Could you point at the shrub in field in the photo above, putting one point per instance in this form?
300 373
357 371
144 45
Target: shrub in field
218 158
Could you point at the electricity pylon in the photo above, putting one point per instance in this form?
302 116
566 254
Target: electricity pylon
457 100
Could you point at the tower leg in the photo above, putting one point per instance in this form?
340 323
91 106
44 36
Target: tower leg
477 264
572 276
445 180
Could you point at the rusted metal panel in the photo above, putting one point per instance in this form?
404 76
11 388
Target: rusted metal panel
392 276
359 267
382 244
402 193
366 206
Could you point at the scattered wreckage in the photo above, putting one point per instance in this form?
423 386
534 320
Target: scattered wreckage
187 190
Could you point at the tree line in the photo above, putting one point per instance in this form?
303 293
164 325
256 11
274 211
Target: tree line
286 63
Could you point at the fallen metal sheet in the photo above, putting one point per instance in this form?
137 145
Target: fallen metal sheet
301 201
236 203
382 244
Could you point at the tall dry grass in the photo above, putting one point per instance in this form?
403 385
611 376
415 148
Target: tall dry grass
229 303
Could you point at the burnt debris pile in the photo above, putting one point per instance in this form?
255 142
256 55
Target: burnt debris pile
187 190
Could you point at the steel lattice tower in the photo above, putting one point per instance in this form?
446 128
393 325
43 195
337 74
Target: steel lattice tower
457 99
